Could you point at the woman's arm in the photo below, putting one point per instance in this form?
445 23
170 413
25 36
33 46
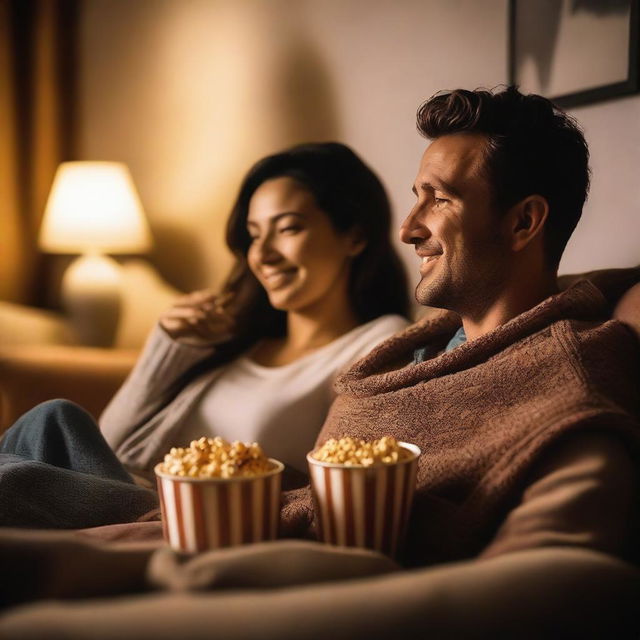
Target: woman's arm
185 335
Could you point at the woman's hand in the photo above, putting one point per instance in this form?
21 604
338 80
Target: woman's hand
199 319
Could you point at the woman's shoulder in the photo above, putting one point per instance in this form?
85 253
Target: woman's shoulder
384 326
353 345
366 336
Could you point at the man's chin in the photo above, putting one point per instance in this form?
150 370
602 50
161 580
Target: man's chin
428 294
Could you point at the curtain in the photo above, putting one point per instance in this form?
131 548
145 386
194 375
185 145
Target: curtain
37 102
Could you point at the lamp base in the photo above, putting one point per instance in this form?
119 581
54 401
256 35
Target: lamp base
91 293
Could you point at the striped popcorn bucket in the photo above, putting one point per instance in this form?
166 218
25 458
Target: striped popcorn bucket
364 506
209 513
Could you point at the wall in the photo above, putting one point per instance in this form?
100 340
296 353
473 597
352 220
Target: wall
609 232
191 92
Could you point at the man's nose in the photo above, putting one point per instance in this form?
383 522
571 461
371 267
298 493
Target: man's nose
413 230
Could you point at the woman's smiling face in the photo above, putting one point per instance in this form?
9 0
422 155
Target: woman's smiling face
295 253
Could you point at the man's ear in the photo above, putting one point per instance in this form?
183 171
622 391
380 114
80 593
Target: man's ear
525 221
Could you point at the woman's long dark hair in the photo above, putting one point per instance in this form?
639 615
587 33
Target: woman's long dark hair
352 196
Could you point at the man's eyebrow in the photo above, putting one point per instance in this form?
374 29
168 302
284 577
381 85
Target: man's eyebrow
439 185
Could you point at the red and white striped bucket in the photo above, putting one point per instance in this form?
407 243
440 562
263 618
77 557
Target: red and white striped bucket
209 513
364 506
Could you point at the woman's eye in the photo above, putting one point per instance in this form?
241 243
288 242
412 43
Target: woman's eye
289 229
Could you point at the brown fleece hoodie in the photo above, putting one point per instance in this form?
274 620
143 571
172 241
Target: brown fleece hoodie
484 412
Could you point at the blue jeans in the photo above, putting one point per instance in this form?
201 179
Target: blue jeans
57 471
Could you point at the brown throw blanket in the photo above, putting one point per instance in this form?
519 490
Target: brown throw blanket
484 412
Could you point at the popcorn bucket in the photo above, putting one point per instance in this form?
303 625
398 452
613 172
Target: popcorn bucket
361 506
199 514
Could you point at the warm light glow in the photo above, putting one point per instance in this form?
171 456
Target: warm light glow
94 206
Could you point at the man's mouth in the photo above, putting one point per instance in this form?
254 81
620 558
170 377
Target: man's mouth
427 262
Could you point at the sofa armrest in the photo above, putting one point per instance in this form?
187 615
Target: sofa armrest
612 282
22 325
31 374
627 309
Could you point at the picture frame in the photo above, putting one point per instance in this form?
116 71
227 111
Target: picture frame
574 52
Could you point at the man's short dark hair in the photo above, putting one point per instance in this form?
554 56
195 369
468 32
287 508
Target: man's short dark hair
533 147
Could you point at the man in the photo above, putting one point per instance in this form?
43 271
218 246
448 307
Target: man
525 412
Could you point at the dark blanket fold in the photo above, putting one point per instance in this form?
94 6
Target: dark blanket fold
64 499
44 565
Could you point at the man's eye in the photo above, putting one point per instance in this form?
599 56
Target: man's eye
440 201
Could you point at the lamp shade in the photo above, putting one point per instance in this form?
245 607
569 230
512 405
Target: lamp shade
94 206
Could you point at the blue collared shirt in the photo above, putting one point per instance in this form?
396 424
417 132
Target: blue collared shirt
421 354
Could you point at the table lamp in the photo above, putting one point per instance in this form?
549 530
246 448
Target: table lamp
93 209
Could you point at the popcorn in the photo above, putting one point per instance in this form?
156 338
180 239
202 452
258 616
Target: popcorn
355 452
216 458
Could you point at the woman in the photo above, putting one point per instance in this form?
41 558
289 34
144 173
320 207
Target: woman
316 285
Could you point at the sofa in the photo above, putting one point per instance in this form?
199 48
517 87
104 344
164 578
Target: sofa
31 374
40 358
121 581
